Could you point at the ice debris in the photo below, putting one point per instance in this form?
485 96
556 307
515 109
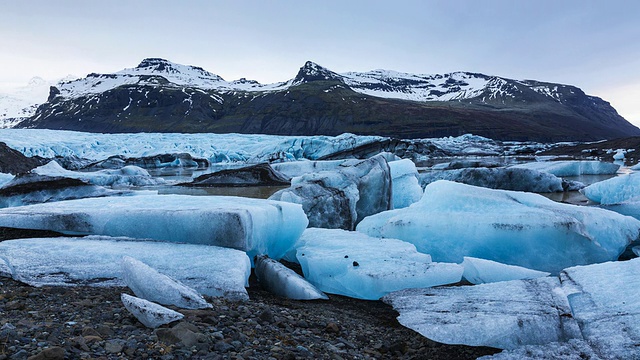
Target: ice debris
149 284
480 271
148 313
283 281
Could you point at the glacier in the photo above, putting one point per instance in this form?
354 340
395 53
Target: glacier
148 313
454 220
252 225
571 168
149 284
356 265
96 261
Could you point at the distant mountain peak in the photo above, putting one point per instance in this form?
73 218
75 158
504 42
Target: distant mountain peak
311 71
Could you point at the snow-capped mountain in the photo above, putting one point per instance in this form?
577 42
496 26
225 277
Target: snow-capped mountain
159 95
20 103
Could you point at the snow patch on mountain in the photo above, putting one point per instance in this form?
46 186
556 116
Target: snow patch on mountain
21 102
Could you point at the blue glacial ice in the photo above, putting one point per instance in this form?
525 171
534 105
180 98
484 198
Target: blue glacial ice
615 190
571 168
504 315
149 284
454 220
343 197
148 313
96 260
481 271
356 265
253 225
283 281
406 189
125 176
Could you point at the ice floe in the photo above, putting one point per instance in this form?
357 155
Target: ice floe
356 265
500 178
149 284
253 225
96 260
454 220
126 176
148 313
571 168
614 190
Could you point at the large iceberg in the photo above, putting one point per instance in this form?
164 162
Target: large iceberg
342 198
504 315
126 176
571 168
253 225
96 260
356 265
454 220
500 178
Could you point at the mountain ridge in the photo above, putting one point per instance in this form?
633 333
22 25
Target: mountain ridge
162 96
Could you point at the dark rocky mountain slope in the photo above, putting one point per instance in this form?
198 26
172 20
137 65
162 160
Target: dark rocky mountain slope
160 96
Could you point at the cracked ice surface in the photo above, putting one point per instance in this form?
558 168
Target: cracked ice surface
503 315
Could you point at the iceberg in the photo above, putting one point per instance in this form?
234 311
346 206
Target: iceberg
253 225
342 198
96 261
454 220
253 175
504 315
405 186
515 179
615 190
283 281
298 168
126 176
149 284
571 168
480 271
356 265
149 314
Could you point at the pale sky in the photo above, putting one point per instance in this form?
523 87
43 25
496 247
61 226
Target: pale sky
594 45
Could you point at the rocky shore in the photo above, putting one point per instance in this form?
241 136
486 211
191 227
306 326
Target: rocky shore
91 323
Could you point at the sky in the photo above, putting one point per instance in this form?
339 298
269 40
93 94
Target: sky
587 43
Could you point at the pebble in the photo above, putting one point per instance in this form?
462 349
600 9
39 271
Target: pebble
65 320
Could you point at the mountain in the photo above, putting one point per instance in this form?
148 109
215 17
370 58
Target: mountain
20 103
161 96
